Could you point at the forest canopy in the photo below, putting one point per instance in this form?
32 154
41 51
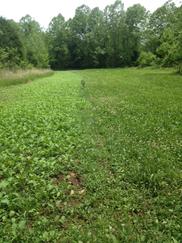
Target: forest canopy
114 37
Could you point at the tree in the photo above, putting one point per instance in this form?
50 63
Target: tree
78 38
158 22
171 42
34 41
136 18
96 38
57 36
114 17
11 45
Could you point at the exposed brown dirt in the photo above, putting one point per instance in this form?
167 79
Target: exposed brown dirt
74 179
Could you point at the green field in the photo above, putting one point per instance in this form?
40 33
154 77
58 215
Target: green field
100 163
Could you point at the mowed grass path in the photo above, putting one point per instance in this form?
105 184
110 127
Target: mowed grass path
94 164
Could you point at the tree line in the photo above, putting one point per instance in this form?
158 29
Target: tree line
94 39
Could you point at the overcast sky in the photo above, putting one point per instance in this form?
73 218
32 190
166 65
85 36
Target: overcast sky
44 10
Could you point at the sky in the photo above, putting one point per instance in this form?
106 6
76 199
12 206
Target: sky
44 10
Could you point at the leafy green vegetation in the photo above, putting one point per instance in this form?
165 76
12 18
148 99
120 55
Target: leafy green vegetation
146 59
23 44
93 163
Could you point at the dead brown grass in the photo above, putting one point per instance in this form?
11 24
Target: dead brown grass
9 77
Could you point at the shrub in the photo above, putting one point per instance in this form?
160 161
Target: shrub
146 59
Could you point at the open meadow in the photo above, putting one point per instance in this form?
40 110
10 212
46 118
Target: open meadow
94 163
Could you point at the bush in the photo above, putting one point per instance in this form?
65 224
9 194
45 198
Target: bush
146 59
9 58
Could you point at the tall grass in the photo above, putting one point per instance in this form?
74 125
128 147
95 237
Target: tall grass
9 77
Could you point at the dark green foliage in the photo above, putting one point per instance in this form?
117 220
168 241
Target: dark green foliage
95 38
34 41
163 35
136 17
79 43
114 37
157 23
57 38
171 46
22 44
12 51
